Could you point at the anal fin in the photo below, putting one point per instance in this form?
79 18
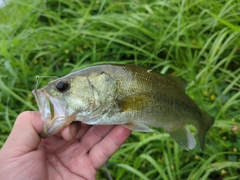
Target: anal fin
183 137
137 127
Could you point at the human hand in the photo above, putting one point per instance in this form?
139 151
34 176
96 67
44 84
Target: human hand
71 154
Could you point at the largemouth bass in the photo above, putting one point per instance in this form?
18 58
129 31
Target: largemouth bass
128 95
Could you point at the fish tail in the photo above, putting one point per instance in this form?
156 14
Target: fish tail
205 126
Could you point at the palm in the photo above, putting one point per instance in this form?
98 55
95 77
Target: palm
76 158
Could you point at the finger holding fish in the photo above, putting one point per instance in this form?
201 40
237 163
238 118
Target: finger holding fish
69 132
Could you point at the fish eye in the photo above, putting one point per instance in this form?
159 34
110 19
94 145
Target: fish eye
62 86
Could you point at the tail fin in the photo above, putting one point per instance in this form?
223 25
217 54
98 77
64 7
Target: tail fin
208 121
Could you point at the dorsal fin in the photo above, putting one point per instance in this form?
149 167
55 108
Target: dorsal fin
180 82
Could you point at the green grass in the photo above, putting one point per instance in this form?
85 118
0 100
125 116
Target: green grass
197 40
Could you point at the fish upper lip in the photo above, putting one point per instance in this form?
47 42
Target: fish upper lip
43 103
52 111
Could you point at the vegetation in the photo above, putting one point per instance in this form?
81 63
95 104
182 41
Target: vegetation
197 40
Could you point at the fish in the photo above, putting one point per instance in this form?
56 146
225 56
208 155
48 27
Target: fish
127 95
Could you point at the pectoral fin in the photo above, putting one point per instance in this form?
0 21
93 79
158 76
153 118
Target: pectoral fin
137 127
134 102
183 137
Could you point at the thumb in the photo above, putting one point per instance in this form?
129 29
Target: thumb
24 136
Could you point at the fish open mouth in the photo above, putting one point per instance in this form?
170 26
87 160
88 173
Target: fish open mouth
52 112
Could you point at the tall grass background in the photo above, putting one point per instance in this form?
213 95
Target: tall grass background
195 39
